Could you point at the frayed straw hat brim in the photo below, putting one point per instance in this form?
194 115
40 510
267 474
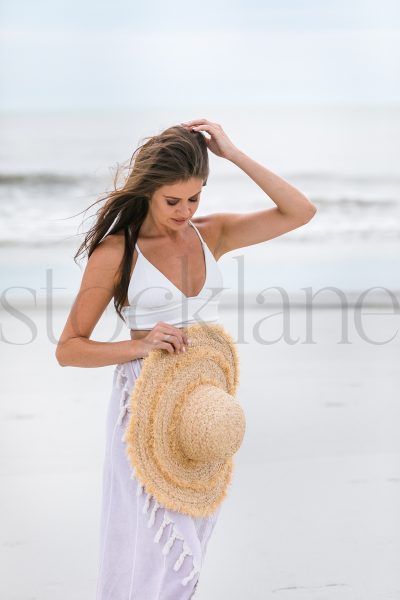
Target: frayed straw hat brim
177 482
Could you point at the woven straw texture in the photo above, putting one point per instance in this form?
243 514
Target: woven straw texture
158 397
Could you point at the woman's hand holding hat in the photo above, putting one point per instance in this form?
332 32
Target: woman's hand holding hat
165 337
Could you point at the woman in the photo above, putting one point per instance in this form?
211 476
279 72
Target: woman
134 250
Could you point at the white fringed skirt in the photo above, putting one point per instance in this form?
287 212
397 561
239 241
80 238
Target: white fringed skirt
147 552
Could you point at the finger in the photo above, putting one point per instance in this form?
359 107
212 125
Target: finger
175 331
168 337
181 337
199 129
166 346
210 128
177 338
177 343
184 337
181 340
179 332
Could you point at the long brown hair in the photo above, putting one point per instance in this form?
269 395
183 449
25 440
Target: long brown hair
175 155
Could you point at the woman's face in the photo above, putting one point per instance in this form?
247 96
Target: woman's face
176 201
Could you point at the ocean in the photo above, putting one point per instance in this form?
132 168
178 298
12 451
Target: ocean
53 165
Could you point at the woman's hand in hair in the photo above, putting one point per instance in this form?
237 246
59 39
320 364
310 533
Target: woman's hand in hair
218 142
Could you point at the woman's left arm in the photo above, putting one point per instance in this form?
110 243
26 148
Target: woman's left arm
292 210
289 200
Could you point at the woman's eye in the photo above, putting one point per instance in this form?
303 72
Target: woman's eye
172 202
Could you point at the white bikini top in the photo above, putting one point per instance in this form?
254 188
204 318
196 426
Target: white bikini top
152 297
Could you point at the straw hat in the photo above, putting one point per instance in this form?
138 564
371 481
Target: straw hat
185 423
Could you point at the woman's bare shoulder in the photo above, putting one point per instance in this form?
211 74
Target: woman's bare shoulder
209 227
113 243
108 254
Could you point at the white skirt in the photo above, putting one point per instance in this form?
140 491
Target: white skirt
146 551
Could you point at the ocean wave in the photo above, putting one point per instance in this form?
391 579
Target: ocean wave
343 201
20 187
345 178
28 179
320 177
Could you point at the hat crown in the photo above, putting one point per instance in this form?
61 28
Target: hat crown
212 424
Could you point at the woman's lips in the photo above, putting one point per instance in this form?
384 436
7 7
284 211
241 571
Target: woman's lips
179 220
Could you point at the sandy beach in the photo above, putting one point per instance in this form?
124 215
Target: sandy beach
307 90
312 512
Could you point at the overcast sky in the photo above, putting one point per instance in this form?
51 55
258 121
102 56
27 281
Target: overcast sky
121 53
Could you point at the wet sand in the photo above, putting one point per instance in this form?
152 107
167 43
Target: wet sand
312 512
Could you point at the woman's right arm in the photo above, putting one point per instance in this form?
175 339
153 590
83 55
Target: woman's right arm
74 348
